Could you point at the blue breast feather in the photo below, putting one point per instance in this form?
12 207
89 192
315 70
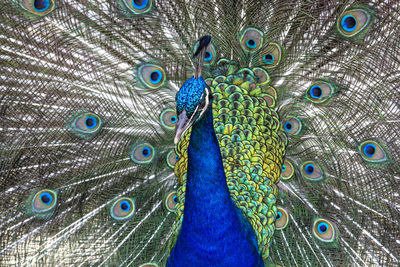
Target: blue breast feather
214 232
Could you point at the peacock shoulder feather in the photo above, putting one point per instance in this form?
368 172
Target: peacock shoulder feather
305 112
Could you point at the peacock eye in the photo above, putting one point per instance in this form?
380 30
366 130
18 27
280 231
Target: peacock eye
278 215
292 125
146 152
311 171
172 159
316 91
251 39
138 6
268 59
251 43
155 76
209 55
324 230
85 124
262 76
123 208
371 151
152 76
282 218
143 153
271 55
38 7
44 201
349 23
168 118
288 126
91 122
287 170
171 201
353 21
320 91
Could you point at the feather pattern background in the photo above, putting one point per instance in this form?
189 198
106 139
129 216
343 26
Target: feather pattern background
83 60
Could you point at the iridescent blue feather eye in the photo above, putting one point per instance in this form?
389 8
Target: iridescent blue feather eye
146 152
41 5
168 118
270 55
321 91
292 125
324 230
311 171
281 219
142 153
137 7
42 203
172 159
210 54
372 152
348 23
84 124
288 126
251 39
287 171
151 76
155 76
261 75
309 168
369 150
171 201
37 7
251 43
140 4
268 59
91 122
316 91
123 209
322 227
354 21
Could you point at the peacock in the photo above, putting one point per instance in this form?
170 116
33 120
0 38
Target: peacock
199 133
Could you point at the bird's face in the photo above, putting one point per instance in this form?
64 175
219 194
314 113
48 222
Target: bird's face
192 100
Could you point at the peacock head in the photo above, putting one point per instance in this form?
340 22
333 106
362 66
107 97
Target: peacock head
194 97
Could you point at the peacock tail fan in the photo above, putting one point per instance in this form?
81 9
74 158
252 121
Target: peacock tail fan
87 119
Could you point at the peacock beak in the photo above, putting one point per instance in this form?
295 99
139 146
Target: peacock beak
182 126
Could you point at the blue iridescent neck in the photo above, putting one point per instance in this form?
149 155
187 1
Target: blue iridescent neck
214 232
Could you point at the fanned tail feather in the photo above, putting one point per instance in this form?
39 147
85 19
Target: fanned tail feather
86 128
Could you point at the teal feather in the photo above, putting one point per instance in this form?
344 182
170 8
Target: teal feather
108 202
